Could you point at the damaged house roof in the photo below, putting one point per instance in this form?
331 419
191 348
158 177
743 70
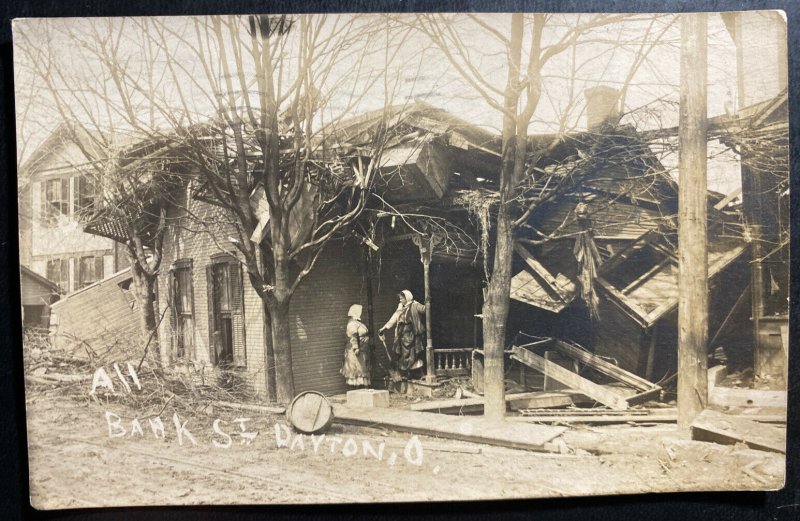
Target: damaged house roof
631 203
425 151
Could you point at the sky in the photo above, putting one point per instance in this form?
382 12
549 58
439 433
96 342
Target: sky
417 70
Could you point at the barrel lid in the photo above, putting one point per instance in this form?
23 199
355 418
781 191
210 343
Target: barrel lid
310 412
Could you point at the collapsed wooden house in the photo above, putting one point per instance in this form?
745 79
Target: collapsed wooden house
626 202
437 183
760 132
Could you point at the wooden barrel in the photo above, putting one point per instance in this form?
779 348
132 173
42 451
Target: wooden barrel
310 413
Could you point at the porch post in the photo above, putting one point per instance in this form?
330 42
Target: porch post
430 376
426 251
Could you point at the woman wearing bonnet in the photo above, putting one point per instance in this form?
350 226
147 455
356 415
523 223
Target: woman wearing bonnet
409 335
355 368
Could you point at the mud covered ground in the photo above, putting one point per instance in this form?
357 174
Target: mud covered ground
80 457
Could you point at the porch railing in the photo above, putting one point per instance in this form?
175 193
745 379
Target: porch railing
452 362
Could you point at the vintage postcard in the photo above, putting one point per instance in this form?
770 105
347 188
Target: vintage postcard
383 257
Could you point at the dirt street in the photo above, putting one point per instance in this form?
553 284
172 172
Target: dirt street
79 457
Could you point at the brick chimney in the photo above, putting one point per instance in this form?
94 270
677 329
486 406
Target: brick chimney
602 106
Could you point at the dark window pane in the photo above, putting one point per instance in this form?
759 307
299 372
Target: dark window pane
90 271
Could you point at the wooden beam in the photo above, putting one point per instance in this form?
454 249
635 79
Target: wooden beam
717 427
570 379
540 270
625 305
728 198
604 367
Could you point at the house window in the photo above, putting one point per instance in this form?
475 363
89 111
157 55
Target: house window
58 272
182 294
55 200
226 312
87 196
90 270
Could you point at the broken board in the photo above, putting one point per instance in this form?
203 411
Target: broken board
645 390
514 401
570 379
718 427
473 429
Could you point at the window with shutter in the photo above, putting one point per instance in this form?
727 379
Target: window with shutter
237 314
54 200
226 312
87 196
182 297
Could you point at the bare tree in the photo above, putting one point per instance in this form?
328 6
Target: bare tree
275 156
100 119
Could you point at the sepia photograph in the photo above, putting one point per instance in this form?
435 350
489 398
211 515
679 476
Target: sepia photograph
402 257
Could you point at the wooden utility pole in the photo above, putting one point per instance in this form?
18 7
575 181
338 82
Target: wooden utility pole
692 222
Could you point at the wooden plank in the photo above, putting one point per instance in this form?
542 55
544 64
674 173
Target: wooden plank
728 198
628 306
538 400
473 429
730 397
718 427
600 419
454 406
646 396
594 411
602 366
668 416
567 292
475 404
570 379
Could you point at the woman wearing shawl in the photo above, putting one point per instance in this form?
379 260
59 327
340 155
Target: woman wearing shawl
355 368
409 334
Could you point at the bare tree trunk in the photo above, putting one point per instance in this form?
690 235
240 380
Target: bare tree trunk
692 223
279 320
282 351
495 315
144 290
495 309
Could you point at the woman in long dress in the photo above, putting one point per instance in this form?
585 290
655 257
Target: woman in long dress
355 368
408 322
